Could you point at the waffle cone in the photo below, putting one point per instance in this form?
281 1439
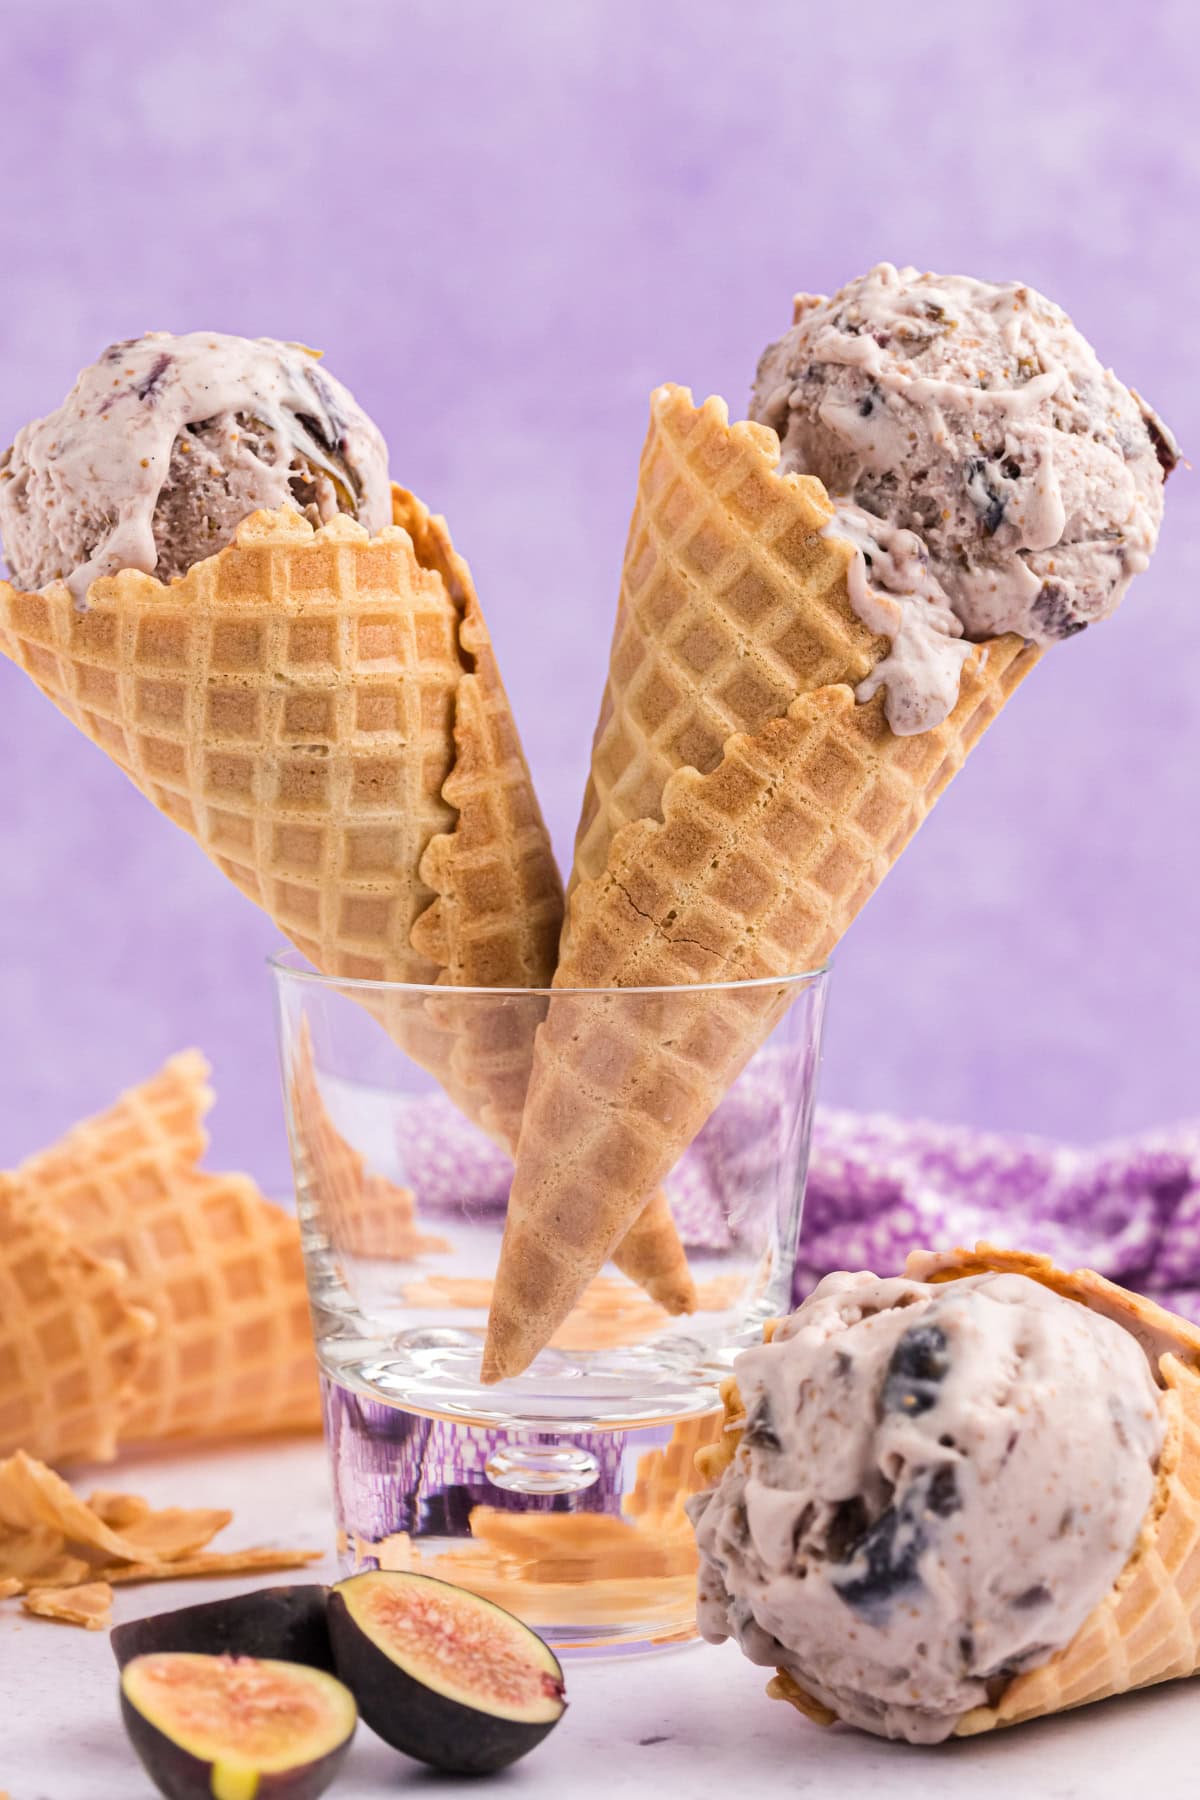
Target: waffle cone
324 714
71 1336
365 1213
216 1267
1147 1628
748 863
294 704
497 917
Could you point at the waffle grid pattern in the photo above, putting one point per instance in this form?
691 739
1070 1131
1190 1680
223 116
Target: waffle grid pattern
731 604
289 703
324 714
498 912
218 1267
70 1340
756 871
497 915
365 1214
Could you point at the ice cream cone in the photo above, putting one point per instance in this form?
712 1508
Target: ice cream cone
216 1266
749 864
71 1337
1147 1628
292 702
324 714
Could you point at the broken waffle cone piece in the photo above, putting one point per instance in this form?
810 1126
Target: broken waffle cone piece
217 1267
35 1499
72 1336
43 1523
257 1561
222 1268
165 1113
1147 1628
89 1605
702 856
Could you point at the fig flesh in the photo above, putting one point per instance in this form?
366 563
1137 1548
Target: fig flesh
235 1728
441 1674
284 1624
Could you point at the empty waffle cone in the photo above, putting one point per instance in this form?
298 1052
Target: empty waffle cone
748 863
1147 1628
215 1265
71 1337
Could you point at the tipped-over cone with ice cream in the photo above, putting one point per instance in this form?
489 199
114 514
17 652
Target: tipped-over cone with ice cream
314 695
960 1498
795 676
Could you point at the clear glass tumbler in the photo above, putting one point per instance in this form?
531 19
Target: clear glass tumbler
560 1493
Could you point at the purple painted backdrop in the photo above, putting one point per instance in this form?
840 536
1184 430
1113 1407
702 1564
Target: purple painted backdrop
505 223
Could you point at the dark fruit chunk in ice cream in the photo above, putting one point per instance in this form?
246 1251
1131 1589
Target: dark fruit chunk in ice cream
884 1563
442 1675
916 1370
760 1433
285 1624
236 1728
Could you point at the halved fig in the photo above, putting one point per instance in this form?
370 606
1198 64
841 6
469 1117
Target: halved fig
235 1727
441 1674
285 1624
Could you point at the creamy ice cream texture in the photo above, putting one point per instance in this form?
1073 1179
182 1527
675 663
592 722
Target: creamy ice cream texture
991 473
936 1486
165 444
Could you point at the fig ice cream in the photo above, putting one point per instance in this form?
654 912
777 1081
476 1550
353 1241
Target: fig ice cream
991 473
936 1485
165 444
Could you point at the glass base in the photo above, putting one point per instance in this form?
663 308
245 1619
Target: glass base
581 1532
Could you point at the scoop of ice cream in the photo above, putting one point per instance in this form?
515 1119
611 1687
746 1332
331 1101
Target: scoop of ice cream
165 444
992 474
936 1485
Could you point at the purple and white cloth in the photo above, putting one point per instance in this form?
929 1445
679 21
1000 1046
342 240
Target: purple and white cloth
879 1187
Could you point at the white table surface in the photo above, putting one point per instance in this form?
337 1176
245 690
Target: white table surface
692 1723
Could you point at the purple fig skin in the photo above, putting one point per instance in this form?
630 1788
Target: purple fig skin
181 1775
415 1718
281 1624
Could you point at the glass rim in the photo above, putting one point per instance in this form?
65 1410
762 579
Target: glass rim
301 971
